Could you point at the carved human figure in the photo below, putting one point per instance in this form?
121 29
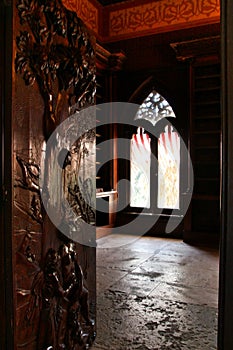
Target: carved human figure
64 299
51 292
73 280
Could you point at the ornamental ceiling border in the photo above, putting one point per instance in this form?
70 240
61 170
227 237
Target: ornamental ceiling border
134 19
89 11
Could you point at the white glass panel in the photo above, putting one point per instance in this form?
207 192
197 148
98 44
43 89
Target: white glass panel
154 108
140 152
169 169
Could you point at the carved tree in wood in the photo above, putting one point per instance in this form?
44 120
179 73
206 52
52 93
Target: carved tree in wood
56 52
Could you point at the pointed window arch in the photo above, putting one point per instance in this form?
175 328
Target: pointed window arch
154 108
167 181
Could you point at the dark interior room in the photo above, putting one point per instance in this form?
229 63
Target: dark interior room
116 180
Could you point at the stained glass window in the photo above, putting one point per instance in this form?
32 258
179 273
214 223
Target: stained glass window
154 108
140 154
168 169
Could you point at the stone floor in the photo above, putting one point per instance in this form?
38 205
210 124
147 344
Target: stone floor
155 293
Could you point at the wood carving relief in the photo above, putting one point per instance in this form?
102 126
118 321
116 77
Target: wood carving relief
54 276
55 51
29 180
78 182
58 297
59 293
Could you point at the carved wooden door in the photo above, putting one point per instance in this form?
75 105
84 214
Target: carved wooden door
50 269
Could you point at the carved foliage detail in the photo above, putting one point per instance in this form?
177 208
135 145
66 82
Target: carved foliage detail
56 51
30 175
29 180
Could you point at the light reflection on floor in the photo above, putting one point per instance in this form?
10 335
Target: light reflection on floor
156 294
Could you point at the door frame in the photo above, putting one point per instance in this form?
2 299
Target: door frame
6 285
225 324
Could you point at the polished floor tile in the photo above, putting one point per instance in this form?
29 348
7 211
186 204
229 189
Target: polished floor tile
155 293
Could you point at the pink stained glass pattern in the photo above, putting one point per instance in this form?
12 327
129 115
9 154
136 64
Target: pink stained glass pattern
169 170
140 160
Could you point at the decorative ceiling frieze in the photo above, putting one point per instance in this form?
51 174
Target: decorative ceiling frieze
87 10
140 18
162 16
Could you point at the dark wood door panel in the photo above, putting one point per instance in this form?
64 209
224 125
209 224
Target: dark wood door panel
50 275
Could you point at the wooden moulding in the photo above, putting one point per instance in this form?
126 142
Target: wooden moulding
107 60
189 50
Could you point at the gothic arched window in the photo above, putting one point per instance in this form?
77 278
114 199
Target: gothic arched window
166 179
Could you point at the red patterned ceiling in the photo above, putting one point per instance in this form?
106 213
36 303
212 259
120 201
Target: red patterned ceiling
134 18
110 2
